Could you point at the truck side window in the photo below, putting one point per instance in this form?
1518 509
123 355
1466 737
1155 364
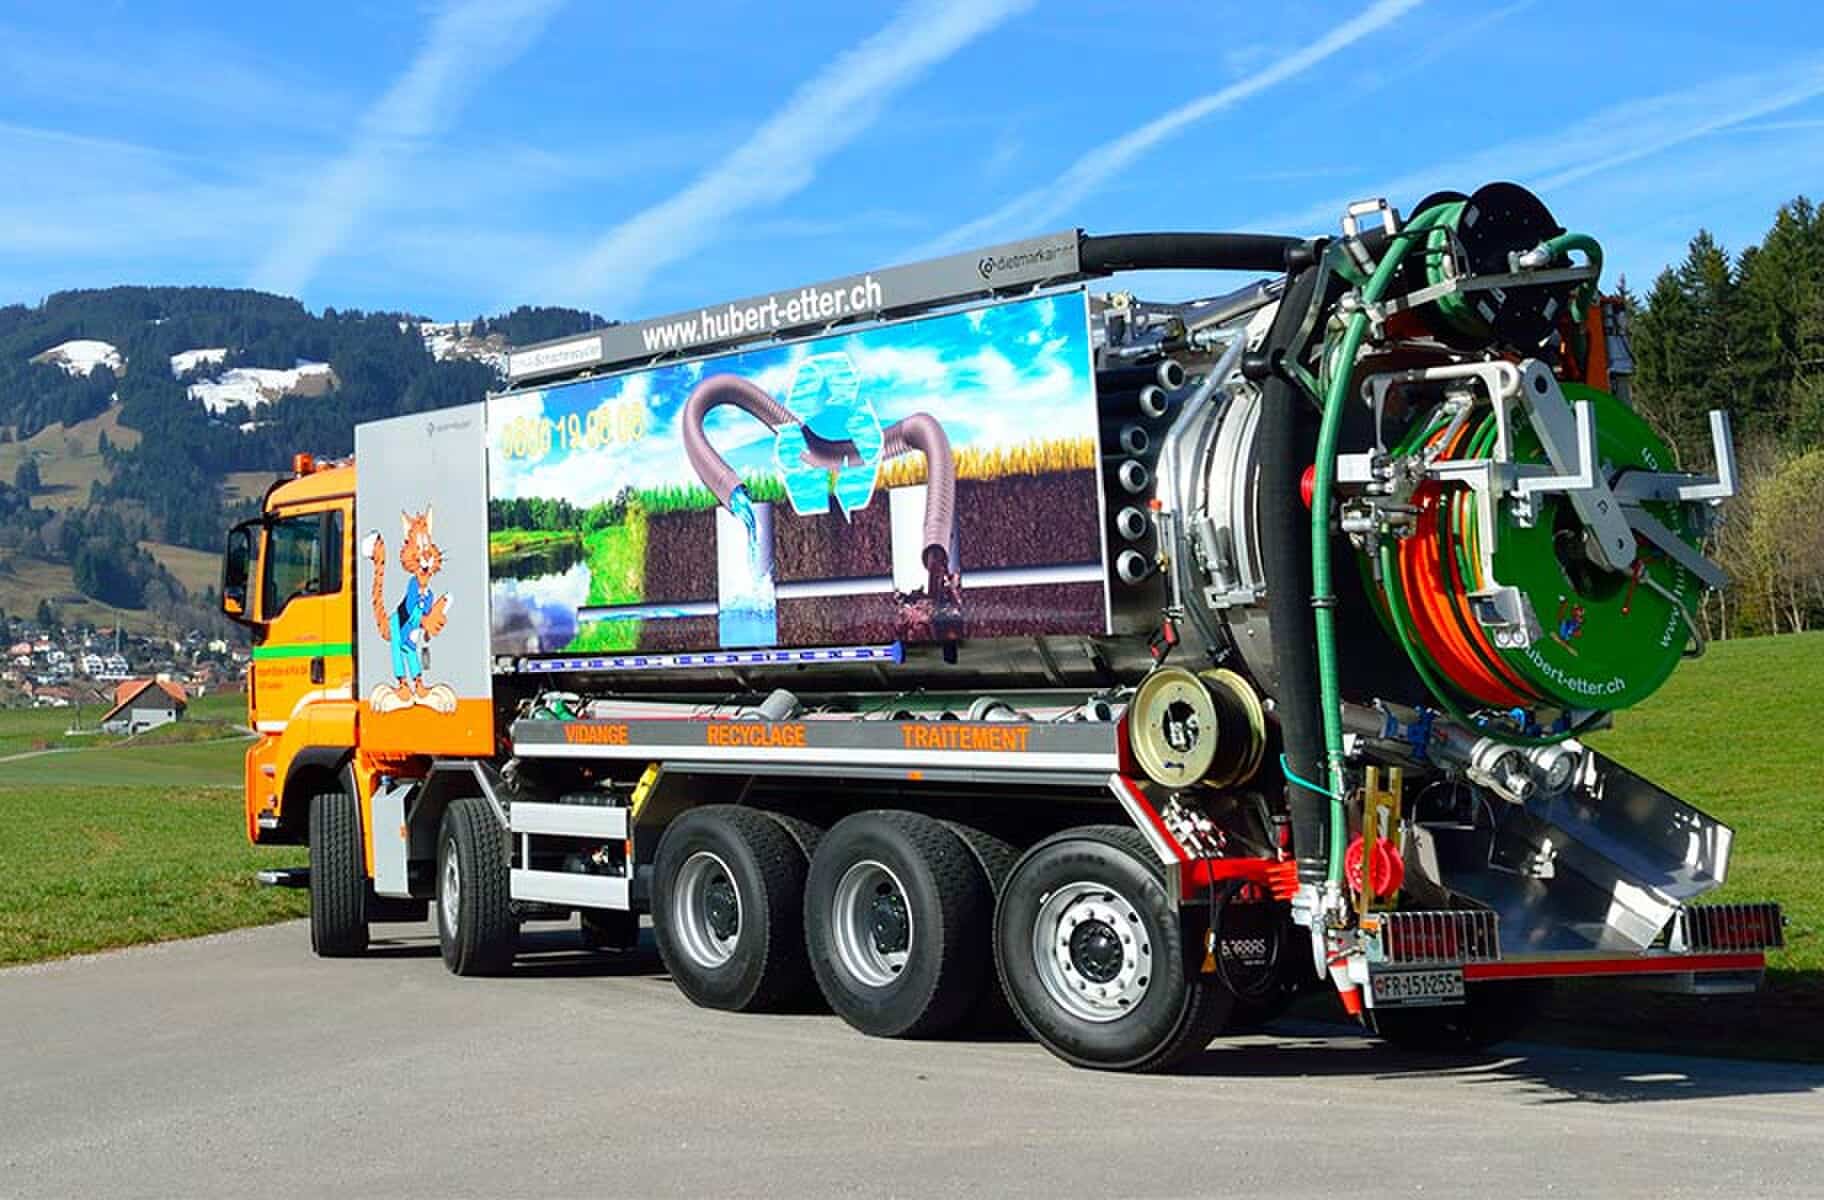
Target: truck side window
303 558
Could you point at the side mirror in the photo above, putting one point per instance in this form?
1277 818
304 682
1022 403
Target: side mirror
237 564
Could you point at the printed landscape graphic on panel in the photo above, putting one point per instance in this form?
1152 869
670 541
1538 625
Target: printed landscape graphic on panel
926 481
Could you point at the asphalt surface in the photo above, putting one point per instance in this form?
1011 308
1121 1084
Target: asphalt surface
239 1065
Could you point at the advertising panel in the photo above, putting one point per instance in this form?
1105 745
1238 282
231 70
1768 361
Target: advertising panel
421 575
926 481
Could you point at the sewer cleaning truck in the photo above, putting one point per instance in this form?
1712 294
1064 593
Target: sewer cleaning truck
950 641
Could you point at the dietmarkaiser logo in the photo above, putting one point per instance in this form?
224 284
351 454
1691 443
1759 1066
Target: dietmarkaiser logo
988 264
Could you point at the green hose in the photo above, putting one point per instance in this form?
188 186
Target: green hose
1560 247
1340 368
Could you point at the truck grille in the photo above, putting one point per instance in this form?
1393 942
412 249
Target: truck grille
1449 937
1720 927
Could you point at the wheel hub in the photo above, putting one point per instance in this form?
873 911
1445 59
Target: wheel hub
721 909
1095 951
871 924
891 927
1092 951
705 909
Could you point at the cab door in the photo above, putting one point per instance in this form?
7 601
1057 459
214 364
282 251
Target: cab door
302 643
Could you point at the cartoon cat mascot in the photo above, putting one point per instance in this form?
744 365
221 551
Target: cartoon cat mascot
410 625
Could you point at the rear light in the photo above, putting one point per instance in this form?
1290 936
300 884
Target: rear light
1702 928
1444 937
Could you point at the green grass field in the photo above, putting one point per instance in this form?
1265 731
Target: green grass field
130 842
1739 733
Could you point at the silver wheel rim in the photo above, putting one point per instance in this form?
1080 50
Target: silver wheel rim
1092 952
450 899
872 924
698 909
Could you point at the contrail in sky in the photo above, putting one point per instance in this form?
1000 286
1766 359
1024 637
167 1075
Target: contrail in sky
468 41
780 158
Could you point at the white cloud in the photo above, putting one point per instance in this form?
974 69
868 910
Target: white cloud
468 40
1030 211
783 155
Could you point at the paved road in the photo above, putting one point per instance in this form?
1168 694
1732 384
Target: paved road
238 1064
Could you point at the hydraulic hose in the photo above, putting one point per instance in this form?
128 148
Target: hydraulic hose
1281 515
1185 251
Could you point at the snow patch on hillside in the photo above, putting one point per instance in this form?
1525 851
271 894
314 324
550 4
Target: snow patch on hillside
256 386
82 355
455 339
189 360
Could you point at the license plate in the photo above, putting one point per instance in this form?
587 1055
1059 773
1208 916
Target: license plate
1411 989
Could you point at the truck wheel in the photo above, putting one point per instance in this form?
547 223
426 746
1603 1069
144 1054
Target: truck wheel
991 1014
610 928
1492 1012
338 877
897 913
728 886
475 923
1092 955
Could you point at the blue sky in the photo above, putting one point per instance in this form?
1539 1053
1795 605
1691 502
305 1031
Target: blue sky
448 159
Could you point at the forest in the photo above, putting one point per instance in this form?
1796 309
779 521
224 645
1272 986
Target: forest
1744 333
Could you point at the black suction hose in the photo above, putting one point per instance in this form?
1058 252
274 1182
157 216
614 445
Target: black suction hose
1285 542
1185 251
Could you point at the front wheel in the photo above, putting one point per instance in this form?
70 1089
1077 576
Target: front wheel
476 928
338 877
1092 954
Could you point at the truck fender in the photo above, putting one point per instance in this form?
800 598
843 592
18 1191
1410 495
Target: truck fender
310 770
446 780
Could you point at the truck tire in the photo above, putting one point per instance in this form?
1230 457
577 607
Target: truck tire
1091 951
992 1014
1492 1012
338 877
897 913
728 889
476 927
609 928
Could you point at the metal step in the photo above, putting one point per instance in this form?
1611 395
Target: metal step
286 877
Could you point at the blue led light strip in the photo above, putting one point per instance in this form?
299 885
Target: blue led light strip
893 652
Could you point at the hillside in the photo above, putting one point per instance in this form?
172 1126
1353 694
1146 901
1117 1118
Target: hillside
136 422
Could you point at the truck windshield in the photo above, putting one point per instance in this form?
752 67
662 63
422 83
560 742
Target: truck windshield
303 558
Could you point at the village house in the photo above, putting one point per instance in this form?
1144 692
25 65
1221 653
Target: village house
142 704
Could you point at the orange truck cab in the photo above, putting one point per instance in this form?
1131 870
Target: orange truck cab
289 577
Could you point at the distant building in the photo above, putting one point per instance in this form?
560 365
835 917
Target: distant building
105 666
142 704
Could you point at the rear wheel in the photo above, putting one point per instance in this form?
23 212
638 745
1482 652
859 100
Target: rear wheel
897 914
1491 1012
728 890
476 928
338 877
1093 957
